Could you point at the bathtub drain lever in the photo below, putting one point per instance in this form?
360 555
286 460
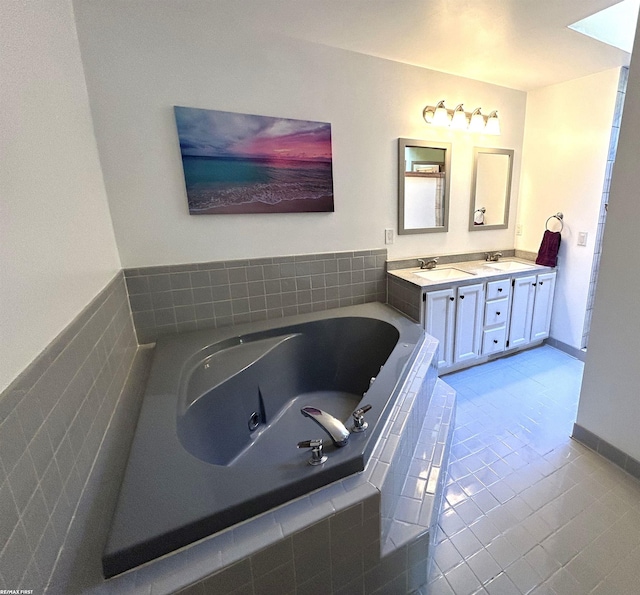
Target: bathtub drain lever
317 456
359 425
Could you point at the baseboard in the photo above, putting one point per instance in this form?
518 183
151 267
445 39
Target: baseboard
608 451
579 354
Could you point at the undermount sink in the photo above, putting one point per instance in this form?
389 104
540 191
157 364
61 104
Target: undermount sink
444 274
509 265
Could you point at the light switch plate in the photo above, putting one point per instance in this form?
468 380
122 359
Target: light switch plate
389 236
519 229
582 238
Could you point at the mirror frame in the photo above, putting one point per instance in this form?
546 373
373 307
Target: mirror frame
507 198
403 143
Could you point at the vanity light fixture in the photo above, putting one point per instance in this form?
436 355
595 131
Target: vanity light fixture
458 119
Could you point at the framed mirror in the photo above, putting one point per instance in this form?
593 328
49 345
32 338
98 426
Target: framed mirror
490 189
424 169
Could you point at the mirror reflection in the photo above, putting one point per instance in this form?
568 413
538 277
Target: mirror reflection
423 186
491 189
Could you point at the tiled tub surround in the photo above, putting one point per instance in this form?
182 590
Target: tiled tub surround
329 541
53 418
193 439
177 298
405 296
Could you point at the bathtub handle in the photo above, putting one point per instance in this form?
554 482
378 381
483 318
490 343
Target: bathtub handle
359 425
317 456
332 426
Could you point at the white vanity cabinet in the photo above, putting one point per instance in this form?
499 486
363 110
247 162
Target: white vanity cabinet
477 310
531 309
454 317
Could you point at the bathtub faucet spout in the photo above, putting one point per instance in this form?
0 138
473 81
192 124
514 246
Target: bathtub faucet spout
332 426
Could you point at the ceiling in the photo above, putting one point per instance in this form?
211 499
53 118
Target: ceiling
521 44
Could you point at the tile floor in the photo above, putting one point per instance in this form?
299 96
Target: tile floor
527 509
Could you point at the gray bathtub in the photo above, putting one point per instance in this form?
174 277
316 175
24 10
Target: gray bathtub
216 440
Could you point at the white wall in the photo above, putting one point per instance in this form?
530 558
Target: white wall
57 246
610 399
141 58
567 130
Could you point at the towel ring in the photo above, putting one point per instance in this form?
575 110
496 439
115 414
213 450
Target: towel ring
559 217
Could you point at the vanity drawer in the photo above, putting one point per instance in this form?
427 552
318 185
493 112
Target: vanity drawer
498 289
495 312
493 340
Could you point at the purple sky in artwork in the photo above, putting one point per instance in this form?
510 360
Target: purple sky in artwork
215 133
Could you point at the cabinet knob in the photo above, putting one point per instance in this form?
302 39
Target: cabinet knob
497 313
461 297
533 284
452 298
499 289
495 340
541 282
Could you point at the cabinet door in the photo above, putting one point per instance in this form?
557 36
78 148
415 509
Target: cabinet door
439 322
541 320
521 310
469 311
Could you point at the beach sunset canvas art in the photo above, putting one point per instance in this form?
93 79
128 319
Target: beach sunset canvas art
240 163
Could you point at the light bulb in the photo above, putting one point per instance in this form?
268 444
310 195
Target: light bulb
493 123
441 115
459 120
477 121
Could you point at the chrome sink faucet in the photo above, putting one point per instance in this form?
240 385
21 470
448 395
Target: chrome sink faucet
332 426
493 257
428 264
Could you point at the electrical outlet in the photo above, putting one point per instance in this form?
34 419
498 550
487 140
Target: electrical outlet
519 229
582 238
389 236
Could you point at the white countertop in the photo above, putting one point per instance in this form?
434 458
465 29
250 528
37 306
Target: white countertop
478 270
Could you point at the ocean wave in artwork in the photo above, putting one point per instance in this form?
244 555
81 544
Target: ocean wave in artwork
206 200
